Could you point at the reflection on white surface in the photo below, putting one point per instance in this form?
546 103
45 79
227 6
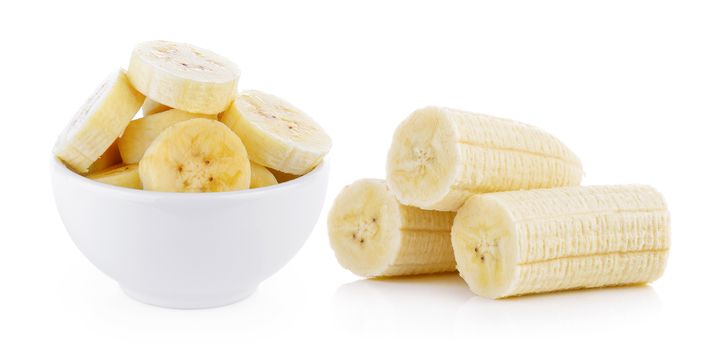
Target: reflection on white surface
580 309
443 303
409 304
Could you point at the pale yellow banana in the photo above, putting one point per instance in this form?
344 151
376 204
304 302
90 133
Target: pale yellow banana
99 122
109 158
374 235
277 135
183 76
150 107
261 177
523 242
119 175
141 132
197 155
440 156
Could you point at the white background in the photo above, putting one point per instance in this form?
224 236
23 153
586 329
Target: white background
629 86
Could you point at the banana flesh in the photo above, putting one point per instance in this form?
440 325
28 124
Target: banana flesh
440 157
140 133
373 235
261 177
277 135
183 76
119 175
99 122
524 242
151 107
197 155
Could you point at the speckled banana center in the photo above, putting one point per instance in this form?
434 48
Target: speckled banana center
366 228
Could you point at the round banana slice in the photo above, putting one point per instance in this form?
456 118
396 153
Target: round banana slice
119 175
141 132
276 134
98 123
151 107
374 235
441 156
198 155
183 76
261 177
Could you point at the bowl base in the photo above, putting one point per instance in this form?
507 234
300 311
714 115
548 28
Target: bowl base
187 301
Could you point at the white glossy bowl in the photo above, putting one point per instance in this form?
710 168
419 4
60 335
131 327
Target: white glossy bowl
189 250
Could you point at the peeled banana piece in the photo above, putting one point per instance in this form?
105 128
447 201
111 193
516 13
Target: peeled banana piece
373 235
261 177
277 135
197 155
119 175
524 242
98 123
440 157
141 132
183 76
110 157
151 107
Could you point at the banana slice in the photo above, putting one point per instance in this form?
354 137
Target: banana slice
141 132
119 175
183 76
98 123
109 158
441 156
276 134
522 242
261 177
151 107
374 235
197 155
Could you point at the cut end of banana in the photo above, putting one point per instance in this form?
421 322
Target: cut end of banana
277 134
99 122
183 76
364 227
484 245
198 155
423 159
140 133
119 175
441 156
261 177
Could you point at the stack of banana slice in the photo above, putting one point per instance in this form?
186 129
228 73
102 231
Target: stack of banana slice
197 134
501 202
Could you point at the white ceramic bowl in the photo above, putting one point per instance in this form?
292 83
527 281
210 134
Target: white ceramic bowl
189 250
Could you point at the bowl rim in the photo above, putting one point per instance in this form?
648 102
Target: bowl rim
59 167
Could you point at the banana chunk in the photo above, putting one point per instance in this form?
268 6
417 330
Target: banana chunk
524 242
197 155
119 175
440 156
98 123
276 134
261 177
141 132
183 76
151 107
374 235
